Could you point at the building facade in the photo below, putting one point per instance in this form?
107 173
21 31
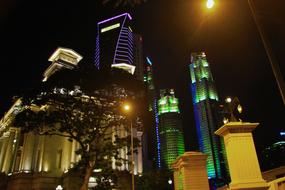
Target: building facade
170 128
205 104
115 43
40 162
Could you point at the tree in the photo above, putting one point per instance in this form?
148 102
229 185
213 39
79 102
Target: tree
87 114
155 179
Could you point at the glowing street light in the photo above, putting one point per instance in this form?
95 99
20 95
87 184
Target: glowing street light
127 107
268 49
210 4
228 99
59 187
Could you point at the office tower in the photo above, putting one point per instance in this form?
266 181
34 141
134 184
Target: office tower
115 43
205 104
139 59
170 128
153 109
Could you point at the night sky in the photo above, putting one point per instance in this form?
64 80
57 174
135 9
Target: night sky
31 30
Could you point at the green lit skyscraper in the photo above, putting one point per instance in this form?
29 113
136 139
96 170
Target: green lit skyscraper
205 103
170 128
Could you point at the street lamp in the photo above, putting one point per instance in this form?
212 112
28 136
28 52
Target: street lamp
59 187
210 4
127 108
273 62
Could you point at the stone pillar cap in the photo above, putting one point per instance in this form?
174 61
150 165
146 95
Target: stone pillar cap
236 127
186 157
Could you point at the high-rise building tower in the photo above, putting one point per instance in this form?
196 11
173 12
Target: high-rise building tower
153 109
139 59
205 103
115 43
170 128
118 47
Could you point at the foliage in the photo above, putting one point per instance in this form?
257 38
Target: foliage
155 179
83 106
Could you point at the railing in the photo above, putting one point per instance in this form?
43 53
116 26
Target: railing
278 184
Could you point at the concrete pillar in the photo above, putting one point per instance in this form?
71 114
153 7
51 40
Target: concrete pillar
8 159
139 159
52 156
3 151
241 155
190 172
28 150
66 156
73 154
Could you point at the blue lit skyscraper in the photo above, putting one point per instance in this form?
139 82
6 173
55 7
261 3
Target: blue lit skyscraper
115 43
153 108
205 103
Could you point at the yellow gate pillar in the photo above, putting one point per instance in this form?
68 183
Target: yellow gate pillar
190 172
241 155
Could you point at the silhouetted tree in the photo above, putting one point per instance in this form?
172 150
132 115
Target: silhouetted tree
155 179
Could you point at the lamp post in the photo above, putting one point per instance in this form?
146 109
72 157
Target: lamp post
127 109
273 62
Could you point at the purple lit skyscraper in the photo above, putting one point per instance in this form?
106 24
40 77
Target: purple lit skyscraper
115 43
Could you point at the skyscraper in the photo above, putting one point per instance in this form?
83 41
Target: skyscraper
205 103
115 43
153 109
170 128
117 46
139 59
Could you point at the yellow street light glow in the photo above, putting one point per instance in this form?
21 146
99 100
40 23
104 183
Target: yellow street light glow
228 100
239 108
210 4
127 107
225 120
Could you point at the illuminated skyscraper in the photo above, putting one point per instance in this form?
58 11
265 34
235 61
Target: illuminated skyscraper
153 109
117 46
170 128
205 103
115 43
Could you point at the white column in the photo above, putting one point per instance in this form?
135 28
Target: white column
139 159
66 154
241 155
73 154
8 159
190 172
28 150
3 150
